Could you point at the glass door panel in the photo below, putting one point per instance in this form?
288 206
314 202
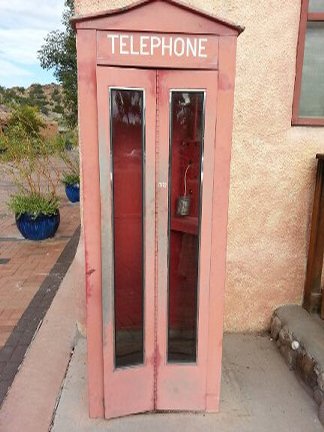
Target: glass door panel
186 150
127 147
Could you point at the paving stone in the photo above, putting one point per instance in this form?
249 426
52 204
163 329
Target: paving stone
289 355
285 336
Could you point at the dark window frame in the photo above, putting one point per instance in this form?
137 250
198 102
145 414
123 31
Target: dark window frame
305 17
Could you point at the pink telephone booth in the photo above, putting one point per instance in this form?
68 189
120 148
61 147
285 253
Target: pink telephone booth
156 85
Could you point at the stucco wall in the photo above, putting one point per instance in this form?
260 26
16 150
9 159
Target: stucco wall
273 165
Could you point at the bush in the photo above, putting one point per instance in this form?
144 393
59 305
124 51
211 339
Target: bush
27 118
29 161
3 143
58 109
66 147
34 204
71 179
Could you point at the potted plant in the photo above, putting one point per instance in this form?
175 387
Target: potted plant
68 151
31 163
37 215
72 186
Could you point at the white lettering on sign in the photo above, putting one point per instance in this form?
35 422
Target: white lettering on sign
166 46
144 45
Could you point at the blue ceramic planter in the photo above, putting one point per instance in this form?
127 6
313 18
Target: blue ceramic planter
40 228
73 192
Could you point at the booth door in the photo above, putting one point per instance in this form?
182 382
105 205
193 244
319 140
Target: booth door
156 177
126 127
187 103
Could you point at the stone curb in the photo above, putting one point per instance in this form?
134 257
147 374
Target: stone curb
300 361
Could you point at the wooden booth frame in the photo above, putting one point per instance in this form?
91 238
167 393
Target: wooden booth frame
157 16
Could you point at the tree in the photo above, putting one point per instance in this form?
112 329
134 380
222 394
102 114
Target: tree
56 96
59 53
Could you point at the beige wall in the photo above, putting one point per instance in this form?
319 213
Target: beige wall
273 165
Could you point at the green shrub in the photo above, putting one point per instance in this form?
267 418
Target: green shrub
58 109
30 162
27 118
71 179
66 147
34 204
3 143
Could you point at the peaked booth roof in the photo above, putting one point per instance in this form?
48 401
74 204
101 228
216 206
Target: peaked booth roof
144 3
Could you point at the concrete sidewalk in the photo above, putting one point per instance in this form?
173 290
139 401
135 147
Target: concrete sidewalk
259 394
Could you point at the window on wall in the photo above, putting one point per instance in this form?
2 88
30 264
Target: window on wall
308 106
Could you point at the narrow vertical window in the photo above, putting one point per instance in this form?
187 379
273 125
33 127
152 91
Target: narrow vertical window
127 144
186 150
308 107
